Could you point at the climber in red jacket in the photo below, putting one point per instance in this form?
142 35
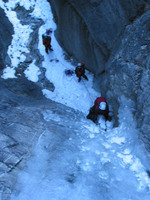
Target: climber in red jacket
47 40
80 71
100 108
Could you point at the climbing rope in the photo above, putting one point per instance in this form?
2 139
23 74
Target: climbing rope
88 91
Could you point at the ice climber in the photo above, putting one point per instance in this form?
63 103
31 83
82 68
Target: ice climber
100 108
80 71
47 40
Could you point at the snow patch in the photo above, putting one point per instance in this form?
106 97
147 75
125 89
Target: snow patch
126 158
8 72
32 72
92 128
118 140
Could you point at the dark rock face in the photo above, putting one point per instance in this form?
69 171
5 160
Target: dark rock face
89 31
113 39
6 31
128 72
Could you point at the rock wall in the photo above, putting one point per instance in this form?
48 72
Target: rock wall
22 123
128 72
113 39
89 31
6 31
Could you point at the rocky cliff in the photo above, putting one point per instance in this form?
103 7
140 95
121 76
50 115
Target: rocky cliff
128 72
112 38
89 31
6 31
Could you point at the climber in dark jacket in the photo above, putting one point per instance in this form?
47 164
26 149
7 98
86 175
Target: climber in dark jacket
80 71
100 108
47 40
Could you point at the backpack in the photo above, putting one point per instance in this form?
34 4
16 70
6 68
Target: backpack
69 72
